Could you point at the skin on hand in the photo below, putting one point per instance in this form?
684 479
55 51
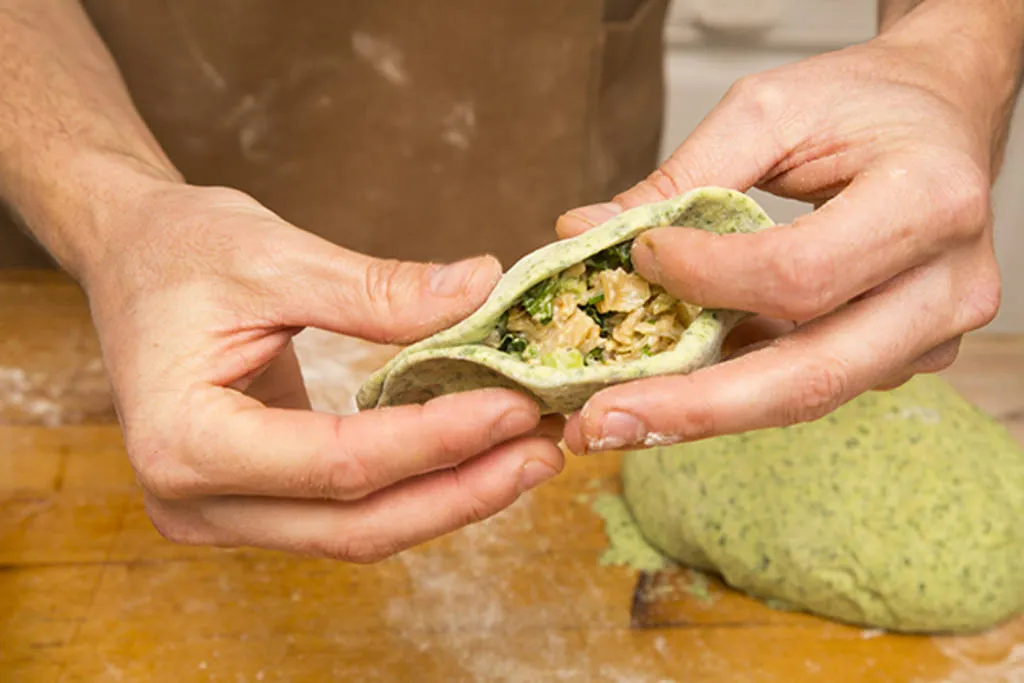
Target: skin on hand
196 305
196 294
882 279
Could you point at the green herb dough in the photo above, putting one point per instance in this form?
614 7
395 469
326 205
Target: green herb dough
902 510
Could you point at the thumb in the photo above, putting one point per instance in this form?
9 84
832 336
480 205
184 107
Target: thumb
381 300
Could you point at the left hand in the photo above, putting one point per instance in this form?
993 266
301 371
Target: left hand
882 279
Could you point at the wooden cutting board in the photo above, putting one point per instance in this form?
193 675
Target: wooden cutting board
89 592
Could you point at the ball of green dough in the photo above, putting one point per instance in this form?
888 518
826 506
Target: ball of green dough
902 510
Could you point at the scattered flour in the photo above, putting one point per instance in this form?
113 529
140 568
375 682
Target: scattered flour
53 399
465 585
995 657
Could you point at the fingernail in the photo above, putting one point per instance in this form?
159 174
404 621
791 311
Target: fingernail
644 259
617 430
455 278
599 213
533 473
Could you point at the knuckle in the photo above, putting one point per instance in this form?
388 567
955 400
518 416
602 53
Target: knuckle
473 507
699 423
346 475
965 199
821 389
981 304
445 447
804 279
663 180
946 359
222 195
698 420
177 528
940 357
382 282
165 483
763 98
379 279
157 471
346 479
227 194
893 383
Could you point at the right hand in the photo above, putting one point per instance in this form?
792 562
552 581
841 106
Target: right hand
196 303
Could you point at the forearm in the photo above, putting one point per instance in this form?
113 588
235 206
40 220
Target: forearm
72 144
975 49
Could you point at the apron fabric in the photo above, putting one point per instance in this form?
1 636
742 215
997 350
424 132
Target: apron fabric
410 129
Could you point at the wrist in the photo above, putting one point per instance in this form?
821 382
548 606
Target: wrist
969 53
75 207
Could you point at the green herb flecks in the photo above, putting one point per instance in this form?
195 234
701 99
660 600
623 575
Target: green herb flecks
538 301
513 343
501 327
613 257
603 320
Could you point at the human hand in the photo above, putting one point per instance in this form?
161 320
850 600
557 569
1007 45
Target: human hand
196 304
882 279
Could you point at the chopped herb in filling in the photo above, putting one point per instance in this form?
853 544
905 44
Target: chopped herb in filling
612 258
595 312
539 300
513 343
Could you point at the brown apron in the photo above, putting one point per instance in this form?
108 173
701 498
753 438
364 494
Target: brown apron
417 129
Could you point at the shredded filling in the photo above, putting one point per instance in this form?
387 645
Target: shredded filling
595 312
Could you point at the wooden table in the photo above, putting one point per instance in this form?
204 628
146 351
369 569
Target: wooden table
90 592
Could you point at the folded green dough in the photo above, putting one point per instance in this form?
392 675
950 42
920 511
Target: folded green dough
573 318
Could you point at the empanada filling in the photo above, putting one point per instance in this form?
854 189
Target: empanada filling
593 313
